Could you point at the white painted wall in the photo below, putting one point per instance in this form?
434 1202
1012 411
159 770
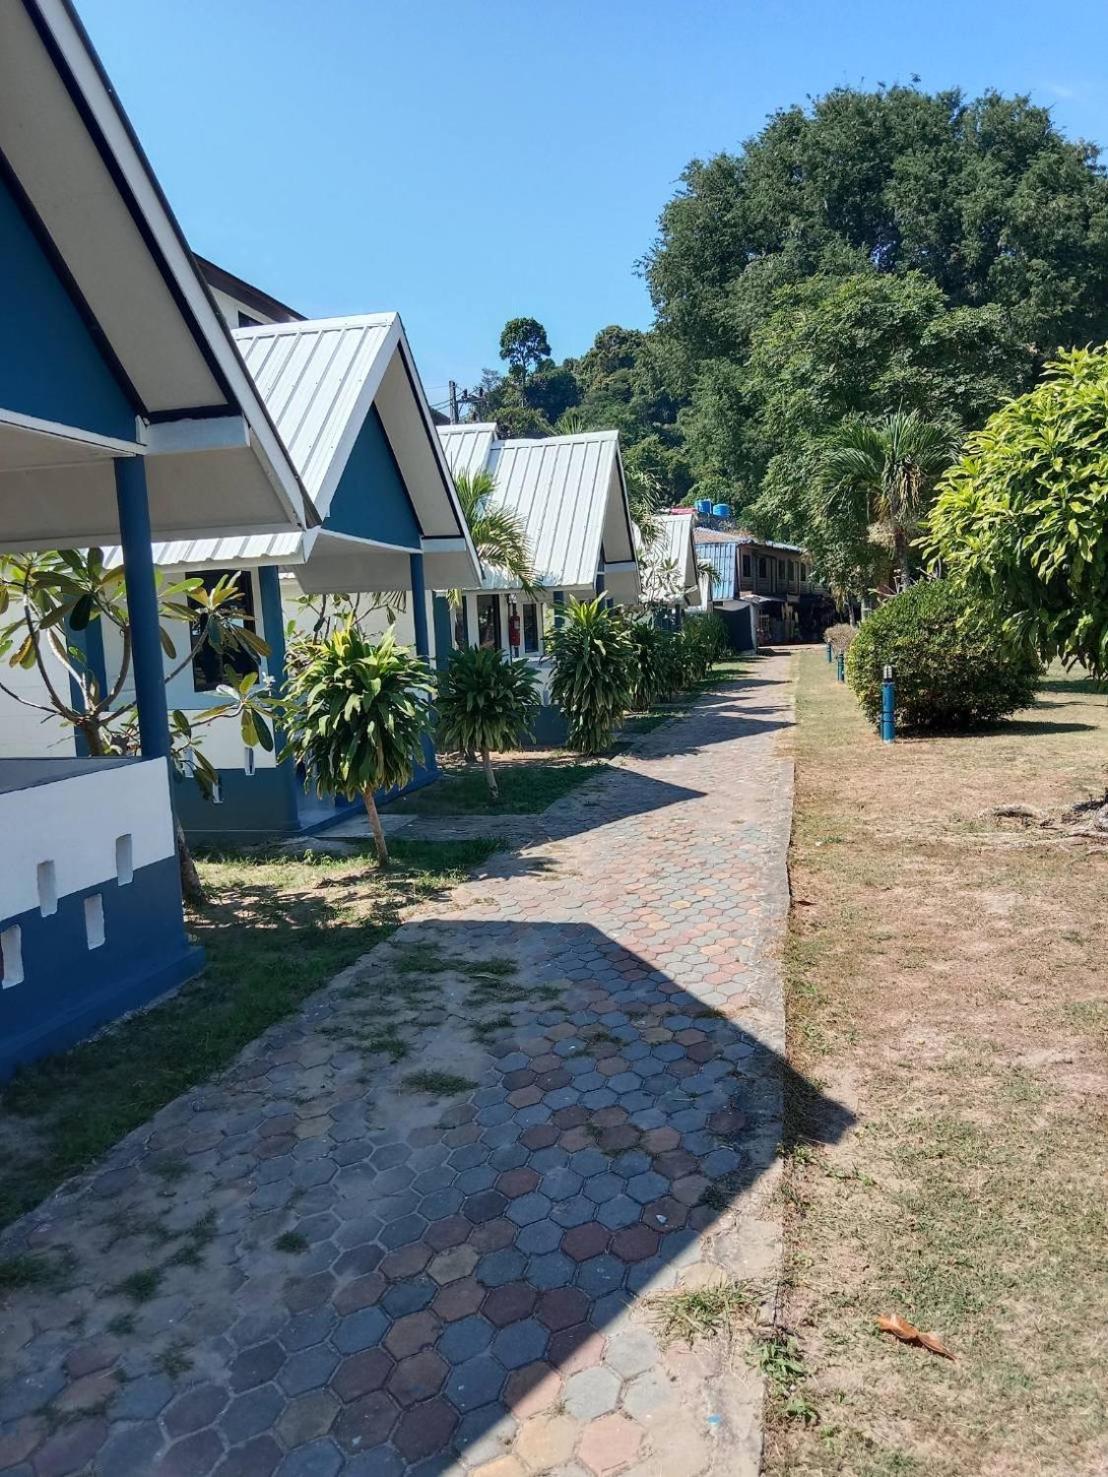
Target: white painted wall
75 823
25 732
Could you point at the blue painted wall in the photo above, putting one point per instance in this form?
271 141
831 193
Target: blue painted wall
371 500
50 366
68 989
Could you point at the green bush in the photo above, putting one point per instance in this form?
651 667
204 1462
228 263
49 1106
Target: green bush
841 636
486 702
953 663
704 639
659 663
594 672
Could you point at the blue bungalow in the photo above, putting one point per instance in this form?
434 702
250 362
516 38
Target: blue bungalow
345 397
126 413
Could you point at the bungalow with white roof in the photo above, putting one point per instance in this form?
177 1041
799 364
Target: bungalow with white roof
126 414
570 496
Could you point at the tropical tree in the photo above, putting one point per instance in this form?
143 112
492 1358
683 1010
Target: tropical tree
523 343
355 714
881 475
594 672
50 602
498 535
1022 519
486 703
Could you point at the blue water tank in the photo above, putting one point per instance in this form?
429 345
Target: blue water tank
721 510
704 505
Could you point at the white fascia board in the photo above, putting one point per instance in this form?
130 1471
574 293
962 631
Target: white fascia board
104 107
206 433
75 435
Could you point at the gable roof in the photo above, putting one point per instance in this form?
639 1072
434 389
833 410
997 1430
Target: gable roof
71 161
669 570
568 492
319 379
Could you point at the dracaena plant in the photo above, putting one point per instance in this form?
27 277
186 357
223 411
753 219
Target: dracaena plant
486 703
594 672
47 600
355 713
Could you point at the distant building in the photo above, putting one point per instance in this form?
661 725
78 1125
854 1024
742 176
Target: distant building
766 591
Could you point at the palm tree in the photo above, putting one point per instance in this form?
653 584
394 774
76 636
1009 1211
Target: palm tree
883 473
498 535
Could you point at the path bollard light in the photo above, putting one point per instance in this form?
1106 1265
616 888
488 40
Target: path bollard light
830 654
888 707
840 667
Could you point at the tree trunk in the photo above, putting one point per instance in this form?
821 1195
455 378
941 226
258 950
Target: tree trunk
900 545
376 828
191 885
490 775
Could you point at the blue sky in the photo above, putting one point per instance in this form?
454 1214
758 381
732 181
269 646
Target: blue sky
469 162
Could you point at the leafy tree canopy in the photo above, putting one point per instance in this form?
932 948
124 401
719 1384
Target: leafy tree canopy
523 343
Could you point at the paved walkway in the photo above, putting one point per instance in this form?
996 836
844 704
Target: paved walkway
309 1266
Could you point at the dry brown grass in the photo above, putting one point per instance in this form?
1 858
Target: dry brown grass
948 983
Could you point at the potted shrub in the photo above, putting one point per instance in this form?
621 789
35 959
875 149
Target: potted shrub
486 703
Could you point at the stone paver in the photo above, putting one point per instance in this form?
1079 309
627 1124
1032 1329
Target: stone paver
466 1287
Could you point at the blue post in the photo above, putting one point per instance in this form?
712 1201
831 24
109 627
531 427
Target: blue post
888 707
422 640
273 630
600 586
419 606
559 609
830 654
142 606
840 667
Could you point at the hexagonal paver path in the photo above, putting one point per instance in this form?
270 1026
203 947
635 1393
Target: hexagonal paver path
310 1266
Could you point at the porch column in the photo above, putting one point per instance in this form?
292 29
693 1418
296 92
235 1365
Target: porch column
273 622
142 606
600 582
419 606
444 625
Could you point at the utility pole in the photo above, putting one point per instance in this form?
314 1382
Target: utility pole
453 402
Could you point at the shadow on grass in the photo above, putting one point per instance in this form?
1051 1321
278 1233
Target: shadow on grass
275 930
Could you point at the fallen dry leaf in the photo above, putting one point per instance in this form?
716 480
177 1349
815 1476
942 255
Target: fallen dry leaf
908 1333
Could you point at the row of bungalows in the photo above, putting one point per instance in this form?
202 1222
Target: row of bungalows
159 408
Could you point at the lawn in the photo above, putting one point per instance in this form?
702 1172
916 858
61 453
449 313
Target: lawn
946 984
528 782
276 929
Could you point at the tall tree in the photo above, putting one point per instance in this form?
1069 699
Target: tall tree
523 343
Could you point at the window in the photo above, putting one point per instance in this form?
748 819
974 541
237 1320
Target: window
803 574
488 621
530 627
781 567
790 571
746 566
209 666
762 571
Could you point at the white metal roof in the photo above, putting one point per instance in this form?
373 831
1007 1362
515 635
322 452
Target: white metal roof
567 491
467 446
313 376
668 563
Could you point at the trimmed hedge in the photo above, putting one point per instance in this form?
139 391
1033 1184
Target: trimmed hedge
953 664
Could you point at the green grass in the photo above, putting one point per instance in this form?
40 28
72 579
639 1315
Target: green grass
140 1286
277 928
30 1271
701 1312
437 1084
527 786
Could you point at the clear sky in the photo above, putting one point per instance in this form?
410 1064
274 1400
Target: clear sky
471 161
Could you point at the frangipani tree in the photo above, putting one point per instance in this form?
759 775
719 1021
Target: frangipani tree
47 600
355 713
